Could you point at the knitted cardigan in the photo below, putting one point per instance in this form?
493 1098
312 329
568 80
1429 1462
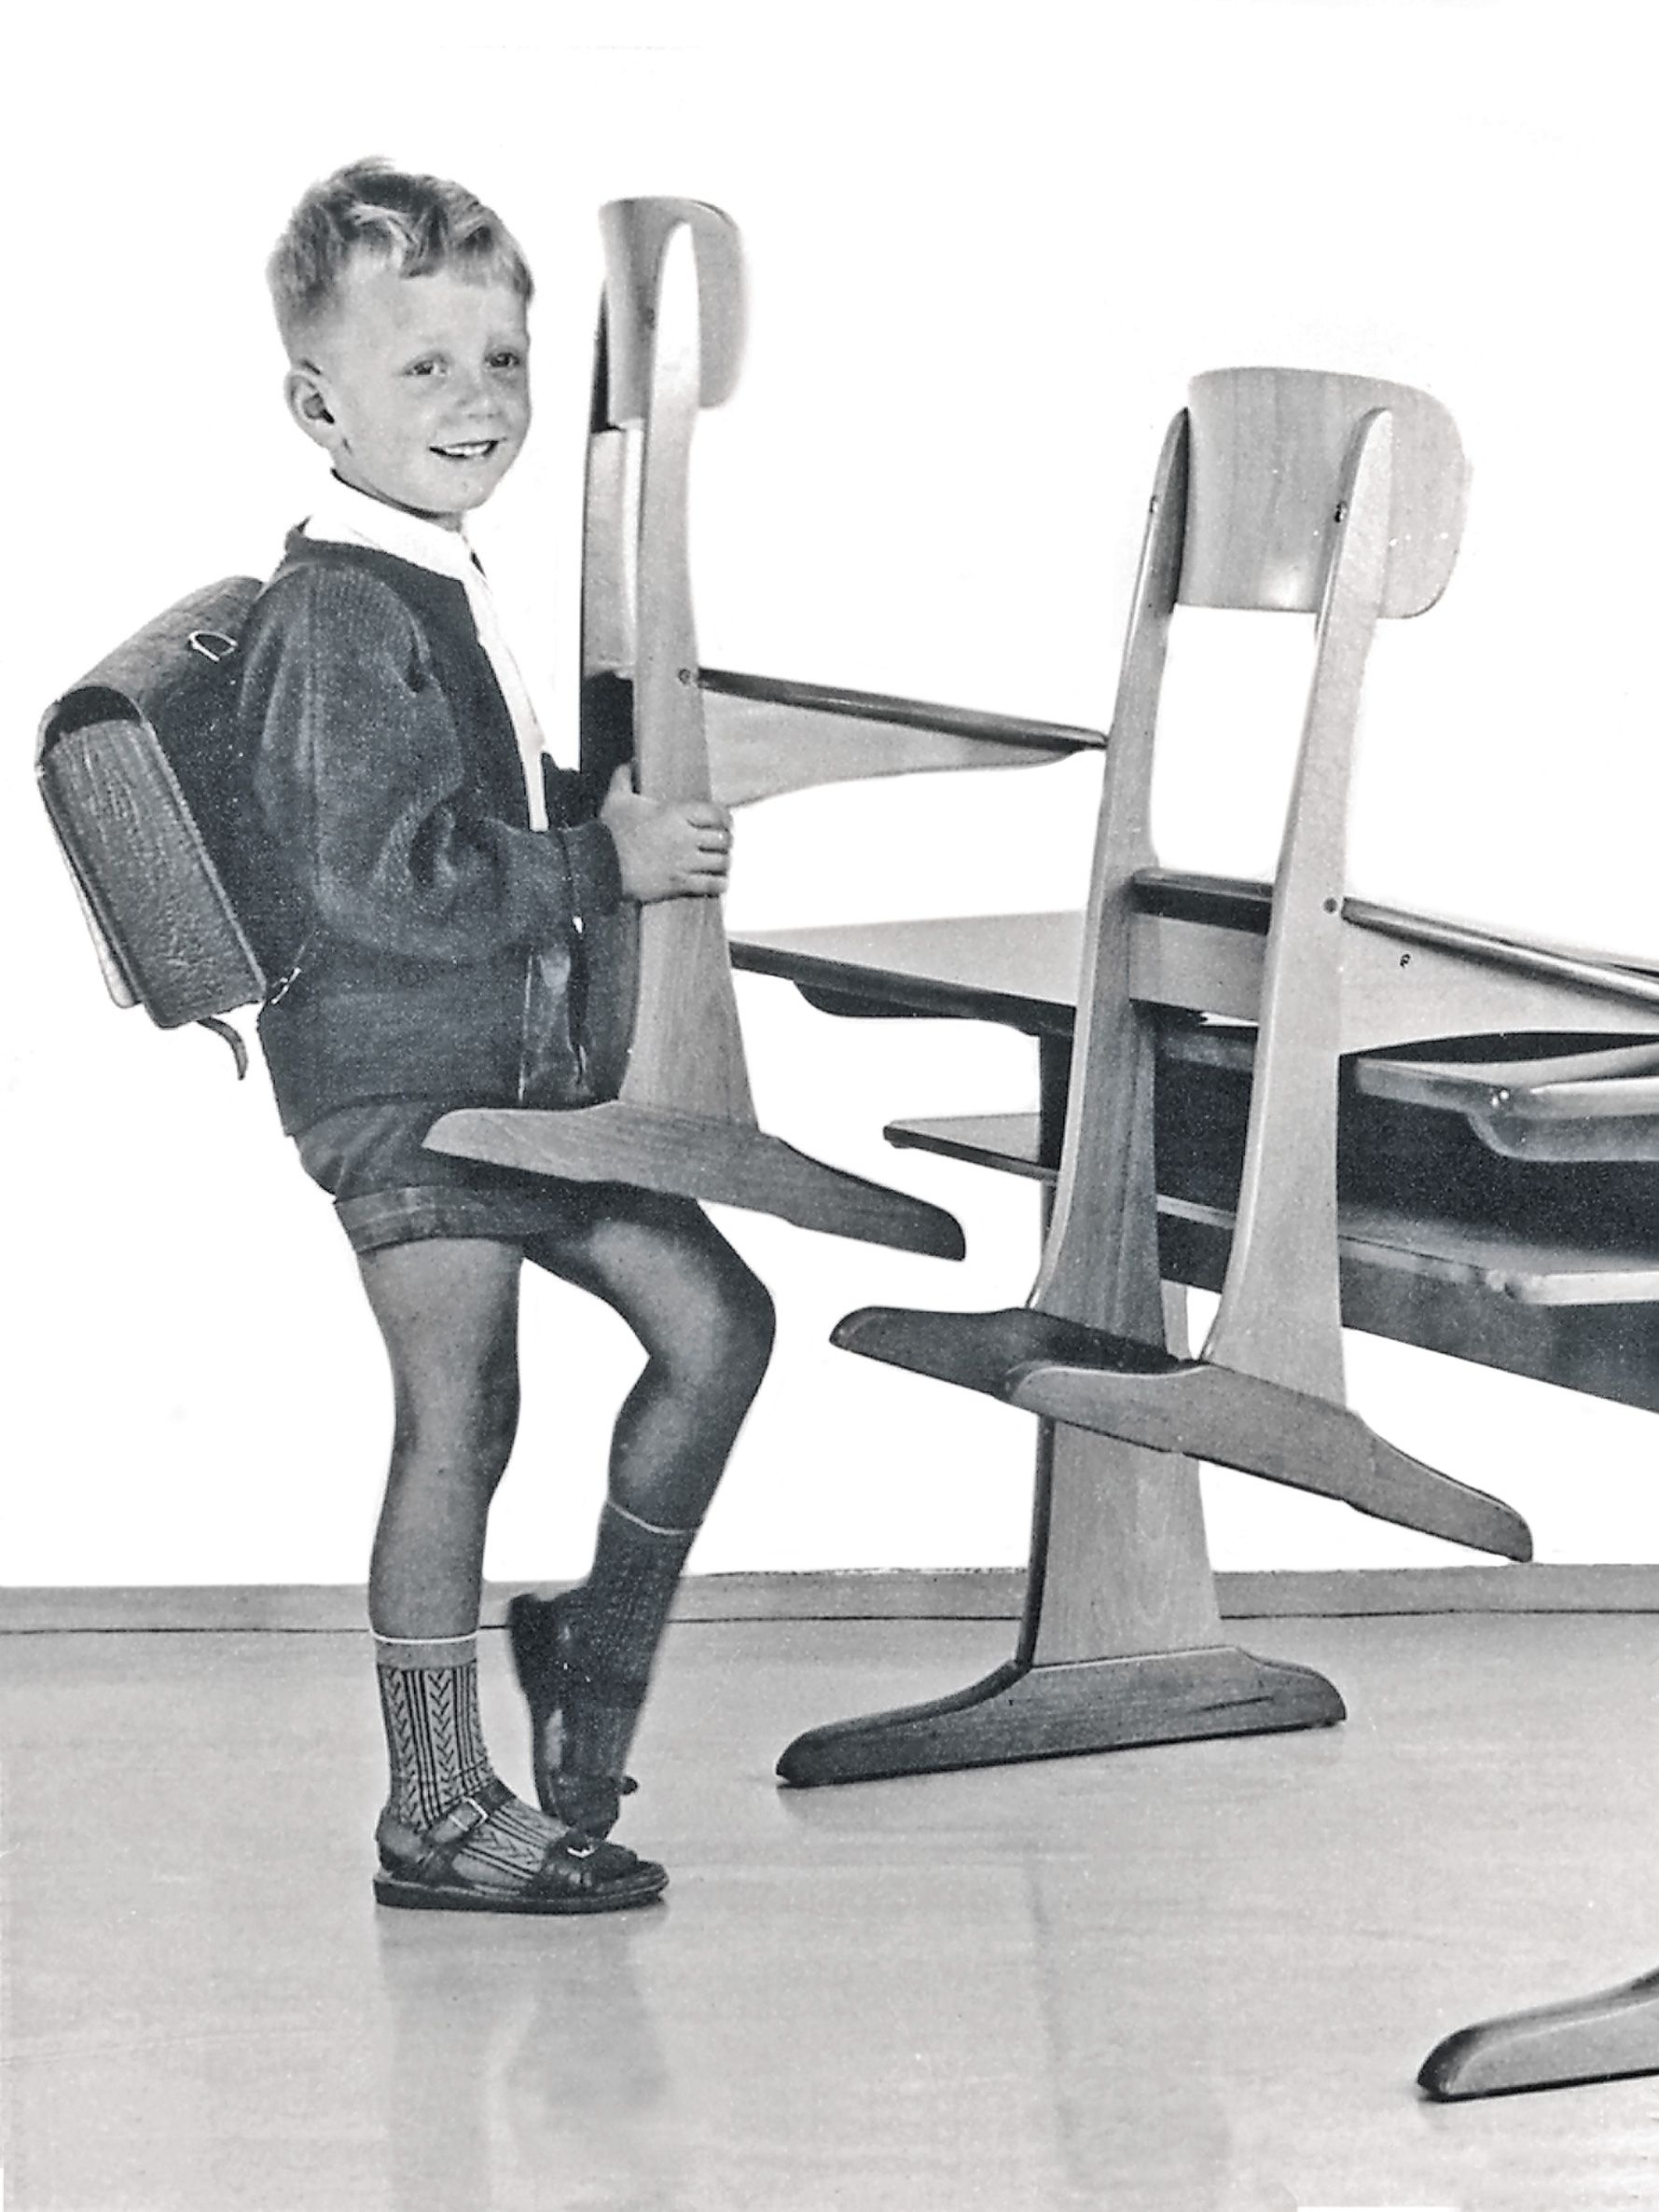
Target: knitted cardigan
440 934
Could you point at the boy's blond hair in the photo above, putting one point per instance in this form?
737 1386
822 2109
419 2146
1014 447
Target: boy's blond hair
411 223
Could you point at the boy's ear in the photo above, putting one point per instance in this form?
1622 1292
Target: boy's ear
307 403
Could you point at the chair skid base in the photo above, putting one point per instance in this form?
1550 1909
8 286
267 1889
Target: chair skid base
693 1155
1604 2038
1054 1710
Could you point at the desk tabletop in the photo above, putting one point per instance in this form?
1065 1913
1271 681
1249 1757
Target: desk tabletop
1017 968
1022 969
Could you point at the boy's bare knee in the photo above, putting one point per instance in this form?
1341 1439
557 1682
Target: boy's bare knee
740 1326
755 1321
474 1430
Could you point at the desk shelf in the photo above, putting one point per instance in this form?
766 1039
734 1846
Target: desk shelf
1542 1268
1533 1270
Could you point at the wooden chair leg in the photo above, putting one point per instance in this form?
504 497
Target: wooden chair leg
1121 1645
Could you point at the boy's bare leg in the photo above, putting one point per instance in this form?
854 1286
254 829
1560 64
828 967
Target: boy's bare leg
448 1310
705 1323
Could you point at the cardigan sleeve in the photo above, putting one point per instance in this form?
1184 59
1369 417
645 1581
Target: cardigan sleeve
362 781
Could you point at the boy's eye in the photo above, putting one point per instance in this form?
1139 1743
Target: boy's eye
506 358
422 369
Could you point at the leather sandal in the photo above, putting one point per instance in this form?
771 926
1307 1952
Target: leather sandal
577 1874
568 1700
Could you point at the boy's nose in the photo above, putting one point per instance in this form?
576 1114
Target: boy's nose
470 388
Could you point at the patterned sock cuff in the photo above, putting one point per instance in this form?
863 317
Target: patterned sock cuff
434 1741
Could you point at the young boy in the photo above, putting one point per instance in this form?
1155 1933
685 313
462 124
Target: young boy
441 875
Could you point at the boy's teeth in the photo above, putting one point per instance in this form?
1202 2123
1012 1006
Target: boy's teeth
467 452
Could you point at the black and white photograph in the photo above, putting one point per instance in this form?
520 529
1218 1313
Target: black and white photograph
833 1100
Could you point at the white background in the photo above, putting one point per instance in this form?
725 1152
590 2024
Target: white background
986 250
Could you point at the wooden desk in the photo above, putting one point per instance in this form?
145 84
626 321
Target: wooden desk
1548 1268
1550 1265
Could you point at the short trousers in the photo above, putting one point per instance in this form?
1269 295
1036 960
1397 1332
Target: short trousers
388 1189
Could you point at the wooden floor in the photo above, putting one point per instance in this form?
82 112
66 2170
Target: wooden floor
1190 1980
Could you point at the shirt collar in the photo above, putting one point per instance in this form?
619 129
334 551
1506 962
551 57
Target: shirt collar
346 516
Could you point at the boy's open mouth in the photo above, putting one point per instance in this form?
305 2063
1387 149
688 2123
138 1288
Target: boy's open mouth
476 449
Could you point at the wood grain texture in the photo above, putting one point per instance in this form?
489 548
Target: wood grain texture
1271 447
1608 2036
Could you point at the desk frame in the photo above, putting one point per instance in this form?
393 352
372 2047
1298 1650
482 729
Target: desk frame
1121 1644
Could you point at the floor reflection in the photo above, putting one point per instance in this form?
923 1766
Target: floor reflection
525 2053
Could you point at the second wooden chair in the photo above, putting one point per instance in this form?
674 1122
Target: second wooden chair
1339 496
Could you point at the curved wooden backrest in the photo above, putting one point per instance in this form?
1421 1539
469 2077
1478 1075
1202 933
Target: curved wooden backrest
635 233
1269 447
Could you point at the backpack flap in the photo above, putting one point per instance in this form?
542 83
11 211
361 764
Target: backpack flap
141 774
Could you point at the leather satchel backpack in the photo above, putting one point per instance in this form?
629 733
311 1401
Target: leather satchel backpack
145 780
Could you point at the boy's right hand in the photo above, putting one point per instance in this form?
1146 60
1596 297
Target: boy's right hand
667 849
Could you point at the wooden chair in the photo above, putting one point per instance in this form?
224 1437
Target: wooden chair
1342 497
682 1119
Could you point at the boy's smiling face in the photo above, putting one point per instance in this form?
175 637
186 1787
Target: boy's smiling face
417 388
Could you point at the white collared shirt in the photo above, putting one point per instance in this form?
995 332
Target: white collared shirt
345 516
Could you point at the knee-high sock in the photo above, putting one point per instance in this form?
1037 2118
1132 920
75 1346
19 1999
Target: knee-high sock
617 1617
434 1739
435 1743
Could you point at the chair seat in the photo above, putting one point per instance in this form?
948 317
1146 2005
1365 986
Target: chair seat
1117 1386
1261 1427
989 1351
693 1155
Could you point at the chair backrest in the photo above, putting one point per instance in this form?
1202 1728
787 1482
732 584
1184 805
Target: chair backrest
1269 449
636 234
